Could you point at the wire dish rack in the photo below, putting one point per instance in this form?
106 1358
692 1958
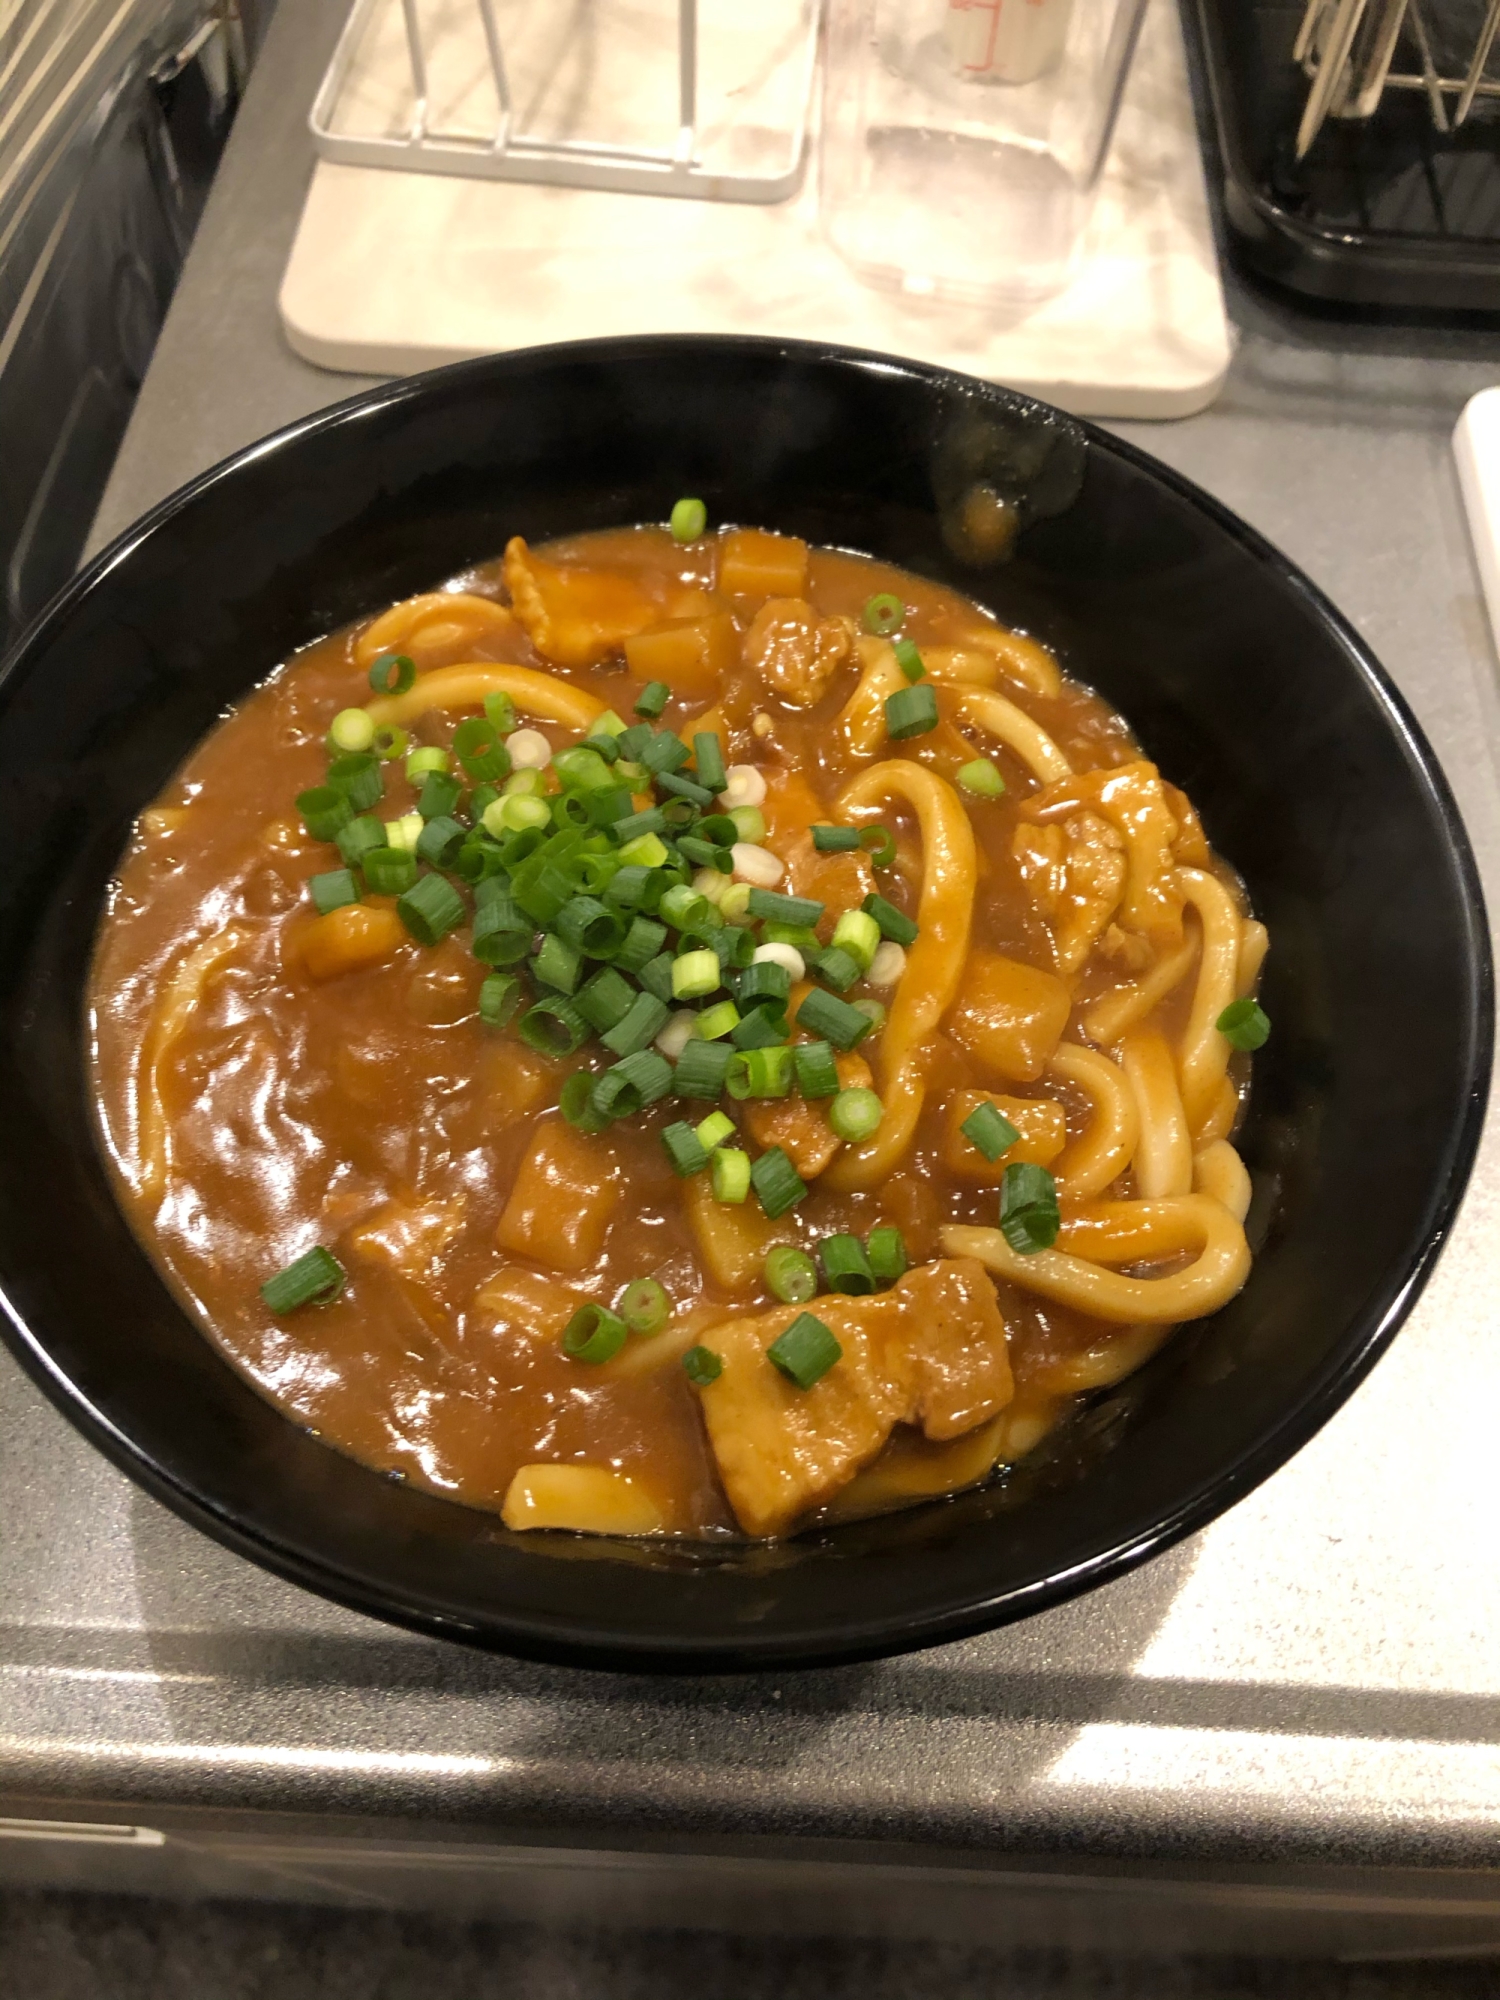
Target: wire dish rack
1349 49
578 93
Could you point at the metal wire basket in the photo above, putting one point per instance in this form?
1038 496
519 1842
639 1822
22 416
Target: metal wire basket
1350 49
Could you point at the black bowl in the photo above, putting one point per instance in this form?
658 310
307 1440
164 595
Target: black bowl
1245 685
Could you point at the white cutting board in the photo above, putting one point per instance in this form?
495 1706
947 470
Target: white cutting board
392 272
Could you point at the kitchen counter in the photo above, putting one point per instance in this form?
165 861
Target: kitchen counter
1283 1734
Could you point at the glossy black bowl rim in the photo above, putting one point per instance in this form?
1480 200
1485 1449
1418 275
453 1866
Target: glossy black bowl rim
1369 1334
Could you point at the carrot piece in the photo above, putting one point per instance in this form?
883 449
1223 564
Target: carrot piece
690 655
350 939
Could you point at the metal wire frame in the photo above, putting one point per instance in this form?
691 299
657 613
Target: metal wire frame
1347 52
511 155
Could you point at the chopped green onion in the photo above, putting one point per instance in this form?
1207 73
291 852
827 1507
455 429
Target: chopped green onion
608 805
715 1128
883 614
552 1027
791 1275
440 794
393 673
648 851
800 937
500 713
763 1072
634 740
703 1366
605 999
878 844
314 1279
576 1102
583 770
729 1169
835 839
684 1150
857 933
1244 1025
735 946
886 1249
627 1086
479 860
665 752
388 743
431 908
480 800
982 778
359 778
837 968
1029 1218
652 699
765 984
845 1266
828 1019
734 904
909 660
684 908
558 963
701 1070
388 871
352 729
642 942
332 890
594 1334
526 784
542 887
989 1130
894 923
656 975
639 1027
703 854
855 1115
499 997
521 846
777 1182
873 1011
721 830
514 813
749 824
569 810
478 748
805 1352
689 519
708 760
603 746
817 1072
324 811
911 712
404 833
762 1029
644 1306
439 841
685 788
696 974
778 909
357 838
627 886
588 924
635 826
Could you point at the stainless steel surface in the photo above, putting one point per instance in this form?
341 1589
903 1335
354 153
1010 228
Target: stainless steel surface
428 145
1314 1680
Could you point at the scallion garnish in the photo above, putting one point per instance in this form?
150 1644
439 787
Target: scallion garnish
829 1019
817 1072
656 976
696 974
332 890
763 1072
352 729
388 743
791 1275
886 1249
689 519
644 1306
388 871
590 926
357 838
855 1115
761 1030
393 673
553 1027
708 760
835 839
642 942
439 841
836 968
1244 1025
857 933
806 1351
777 1182
477 745
652 699
911 712
990 1130
722 831
729 1170
879 844
439 795
765 984
883 614
316 1278
685 788
638 1080
702 1366
845 1266
1029 1218
909 660
500 713
594 1334
894 923
638 1027
324 811
665 752
684 1150
701 1070
576 1102
359 778
499 997
558 963
715 1128
982 778
605 999
431 908
778 909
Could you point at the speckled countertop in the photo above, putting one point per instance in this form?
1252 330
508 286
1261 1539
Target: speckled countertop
1315 1679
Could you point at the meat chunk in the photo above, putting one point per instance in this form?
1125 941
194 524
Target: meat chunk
930 1351
795 652
799 1125
1131 797
573 615
1075 870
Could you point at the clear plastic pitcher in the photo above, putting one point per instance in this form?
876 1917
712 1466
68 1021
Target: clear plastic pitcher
962 140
